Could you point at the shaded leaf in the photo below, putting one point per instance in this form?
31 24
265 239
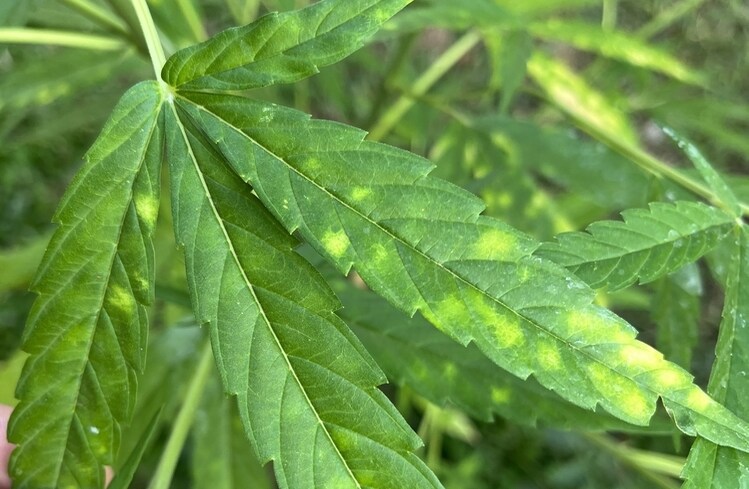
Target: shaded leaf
621 46
279 47
87 330
420 243
300 376
676 311
647 245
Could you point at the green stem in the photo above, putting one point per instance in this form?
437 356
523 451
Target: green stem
98 15
162 479
649 465
663 20
21 35
439 68
155 50
610 7
193 19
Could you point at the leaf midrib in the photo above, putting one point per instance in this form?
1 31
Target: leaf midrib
250 288
450 272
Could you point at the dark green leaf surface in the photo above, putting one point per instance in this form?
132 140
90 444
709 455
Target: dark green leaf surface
647 245
304 384
710 466
420 243
279 48
87 330
124 476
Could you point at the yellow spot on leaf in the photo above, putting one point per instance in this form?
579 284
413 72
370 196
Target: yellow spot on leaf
494 243
671 379
147 208
451 371
336 243
698 400
548 355
120 298
360 193
508 331
500 395
641 355
620 392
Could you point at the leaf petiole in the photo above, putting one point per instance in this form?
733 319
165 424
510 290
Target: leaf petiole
151 34
21 35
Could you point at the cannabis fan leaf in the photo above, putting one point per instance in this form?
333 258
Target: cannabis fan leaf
249 177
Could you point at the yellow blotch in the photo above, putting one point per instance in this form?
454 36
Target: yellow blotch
500 395
698 400
641 355
548 355
508 331
503 200
336 243
147 208
360 193
450 371
621 392
671 378
120 298
494 244
449 311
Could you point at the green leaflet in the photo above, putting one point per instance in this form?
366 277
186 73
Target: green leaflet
420 243
647 245
304 384
415 354
709 174
708 465
279 48
87 330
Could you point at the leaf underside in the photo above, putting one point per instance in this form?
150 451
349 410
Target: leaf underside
647 245
305 386
420 243
87 331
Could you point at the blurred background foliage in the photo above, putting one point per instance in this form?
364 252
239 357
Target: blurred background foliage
550 110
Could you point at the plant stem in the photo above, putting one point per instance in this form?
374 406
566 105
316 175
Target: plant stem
21 35
155 50
668 17
649 464
98 15
162 479
442 65
609 18
193 19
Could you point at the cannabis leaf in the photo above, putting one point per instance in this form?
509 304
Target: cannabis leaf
647 245
709 465
87 330
279 48
415 354
300 376
420 243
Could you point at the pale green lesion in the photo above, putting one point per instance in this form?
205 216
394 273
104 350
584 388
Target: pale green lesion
359 194
620 391
548 355
336 243
500 395
147 207
494 244
121 299
508 331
